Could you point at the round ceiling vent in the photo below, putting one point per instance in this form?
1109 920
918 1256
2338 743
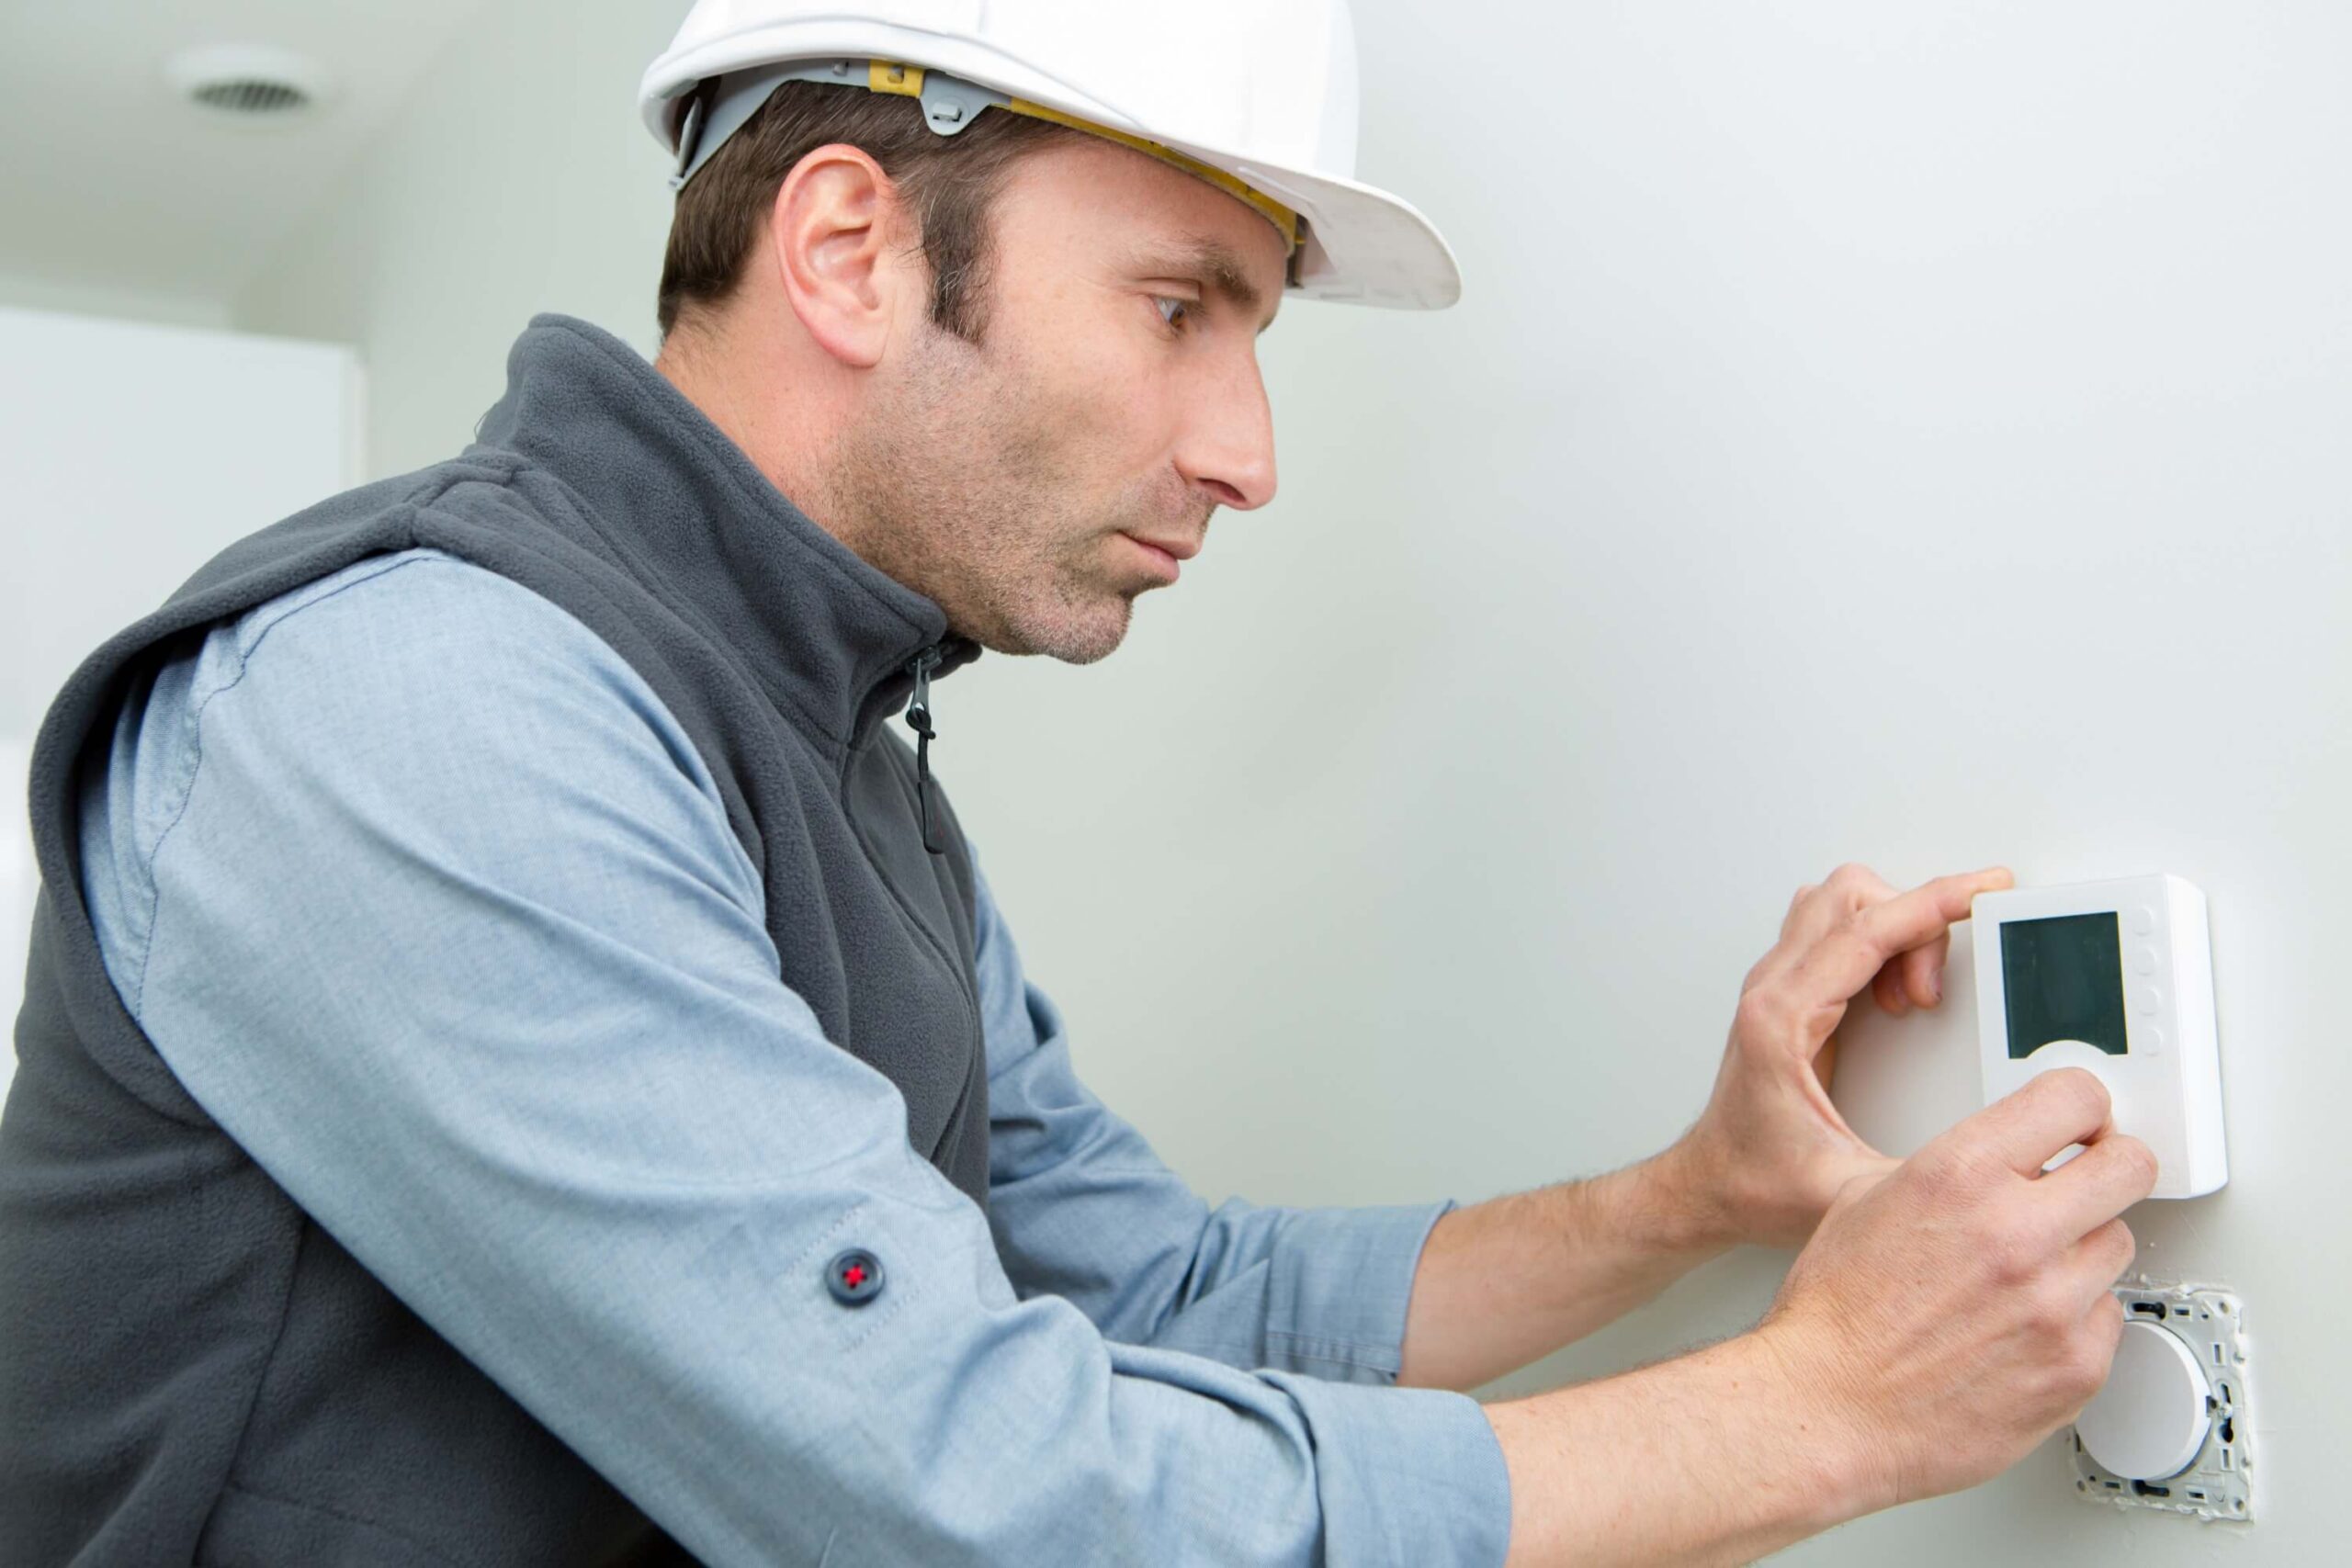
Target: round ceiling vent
253 83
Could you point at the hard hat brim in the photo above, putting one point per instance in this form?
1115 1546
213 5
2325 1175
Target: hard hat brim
1363 245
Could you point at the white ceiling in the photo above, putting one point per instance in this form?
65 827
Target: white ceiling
110 183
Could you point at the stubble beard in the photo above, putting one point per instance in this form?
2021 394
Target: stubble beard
968 490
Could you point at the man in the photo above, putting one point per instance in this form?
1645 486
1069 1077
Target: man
521 1064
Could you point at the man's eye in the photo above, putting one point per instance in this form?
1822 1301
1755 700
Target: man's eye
1175 312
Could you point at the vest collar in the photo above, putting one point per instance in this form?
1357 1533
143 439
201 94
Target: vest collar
830 637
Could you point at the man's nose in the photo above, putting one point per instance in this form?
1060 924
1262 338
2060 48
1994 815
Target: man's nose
1230 454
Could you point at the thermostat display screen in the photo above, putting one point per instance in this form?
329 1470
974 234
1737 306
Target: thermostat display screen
2064 980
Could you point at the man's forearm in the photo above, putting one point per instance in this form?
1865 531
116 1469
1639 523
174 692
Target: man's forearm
1714 1458
1510 1281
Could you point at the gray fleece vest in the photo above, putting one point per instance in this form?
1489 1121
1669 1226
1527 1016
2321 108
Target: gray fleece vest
190 1368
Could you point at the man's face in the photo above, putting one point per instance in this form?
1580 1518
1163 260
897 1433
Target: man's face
1115 392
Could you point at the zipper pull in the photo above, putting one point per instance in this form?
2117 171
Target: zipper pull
918 720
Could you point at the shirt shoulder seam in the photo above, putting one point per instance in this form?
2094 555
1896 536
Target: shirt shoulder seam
245 648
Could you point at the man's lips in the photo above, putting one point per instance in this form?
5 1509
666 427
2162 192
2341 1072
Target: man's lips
1165 554
1182 549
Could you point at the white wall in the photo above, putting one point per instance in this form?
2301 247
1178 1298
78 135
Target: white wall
134 451
1916 434
517 179
122 304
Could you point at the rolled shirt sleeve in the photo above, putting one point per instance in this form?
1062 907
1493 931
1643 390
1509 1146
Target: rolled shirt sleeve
427 900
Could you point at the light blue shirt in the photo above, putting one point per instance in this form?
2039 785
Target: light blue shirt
432 906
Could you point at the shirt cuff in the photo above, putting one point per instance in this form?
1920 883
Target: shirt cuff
1404 1475
1339 1307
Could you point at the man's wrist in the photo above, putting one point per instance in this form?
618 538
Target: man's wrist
1849 1477
1718 1457
1517 1277
1681 1198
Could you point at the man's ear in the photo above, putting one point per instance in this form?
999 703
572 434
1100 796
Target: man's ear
831 232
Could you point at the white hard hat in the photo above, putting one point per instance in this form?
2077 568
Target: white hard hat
1258 97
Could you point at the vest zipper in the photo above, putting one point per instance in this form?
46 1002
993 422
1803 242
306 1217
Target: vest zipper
918 720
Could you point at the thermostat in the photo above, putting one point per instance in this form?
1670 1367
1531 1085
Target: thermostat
2115 977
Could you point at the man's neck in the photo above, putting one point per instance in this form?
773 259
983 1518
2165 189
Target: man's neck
779 414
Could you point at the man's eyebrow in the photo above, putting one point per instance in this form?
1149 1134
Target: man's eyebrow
1217 263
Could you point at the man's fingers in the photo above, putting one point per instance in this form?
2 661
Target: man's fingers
2107 1177
1923 969
1817 911
1845 958
2025 1130
1887 987
1913 979
1793 922
2102 1257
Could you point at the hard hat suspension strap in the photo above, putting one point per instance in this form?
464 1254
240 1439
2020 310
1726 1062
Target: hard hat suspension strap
720 107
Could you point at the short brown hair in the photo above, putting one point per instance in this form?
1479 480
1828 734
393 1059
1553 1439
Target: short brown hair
948 181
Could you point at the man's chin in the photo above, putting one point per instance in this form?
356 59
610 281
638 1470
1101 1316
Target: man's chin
1072 639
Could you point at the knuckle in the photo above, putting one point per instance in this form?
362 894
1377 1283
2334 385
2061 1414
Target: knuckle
2014 1250
2091 1348
1943 1171
2077 1088
2081 1370
2012 1259
2121 1246
2139 1161
2082 1354
2054 1312
1850 876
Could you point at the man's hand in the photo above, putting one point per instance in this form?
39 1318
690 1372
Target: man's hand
1958 1310
1769 1152
1946 1317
